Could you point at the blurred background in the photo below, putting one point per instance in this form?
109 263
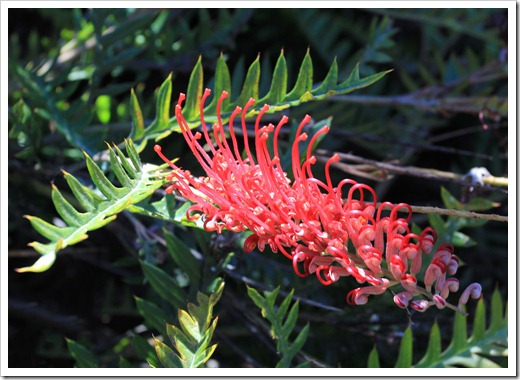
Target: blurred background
443 107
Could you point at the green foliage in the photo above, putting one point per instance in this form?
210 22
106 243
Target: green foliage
163 284
277 97
473 352
139 185
83 357
55 88
191 340
100 206
87 75
449 230
283 321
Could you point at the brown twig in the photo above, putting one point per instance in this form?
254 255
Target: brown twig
455 213
490 183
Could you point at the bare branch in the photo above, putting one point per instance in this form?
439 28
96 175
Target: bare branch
455 213
490 183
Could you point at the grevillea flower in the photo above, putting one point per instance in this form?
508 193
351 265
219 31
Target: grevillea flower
330 231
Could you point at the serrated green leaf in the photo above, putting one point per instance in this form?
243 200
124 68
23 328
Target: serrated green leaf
354 82
87 199
474 352
83 357
101 181
278 89
45 249
433 352
497 308
99 210
167 357
163 284
137 117
354 75
222 83
479 322
290 322
284 306
216 291
460 334
270 298
201 312
404 360
50 231
303 81
68 213
189 325
257 298
119 170
276 96
191 341
162 104
298 343
132 154
326 88
294 348
166 209
194 92
45 98
281 330
132 167
207 335
184 344
202 358
373 359
250 87
43 263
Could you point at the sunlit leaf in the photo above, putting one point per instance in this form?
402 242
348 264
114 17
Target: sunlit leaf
139 183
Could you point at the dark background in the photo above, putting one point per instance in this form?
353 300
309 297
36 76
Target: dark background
88 294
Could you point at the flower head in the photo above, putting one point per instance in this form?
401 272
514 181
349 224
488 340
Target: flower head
308 220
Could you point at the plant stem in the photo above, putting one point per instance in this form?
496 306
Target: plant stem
456 213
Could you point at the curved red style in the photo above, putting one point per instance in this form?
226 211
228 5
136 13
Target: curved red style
308 220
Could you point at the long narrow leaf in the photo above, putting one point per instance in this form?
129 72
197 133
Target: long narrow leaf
404 360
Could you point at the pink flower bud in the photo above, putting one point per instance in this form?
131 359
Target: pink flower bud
474 291
453 265
451 285
420 305
409 282
402 299
439 301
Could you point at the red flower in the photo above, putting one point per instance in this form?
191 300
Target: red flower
306 219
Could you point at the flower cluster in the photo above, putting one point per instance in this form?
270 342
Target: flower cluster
324 230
